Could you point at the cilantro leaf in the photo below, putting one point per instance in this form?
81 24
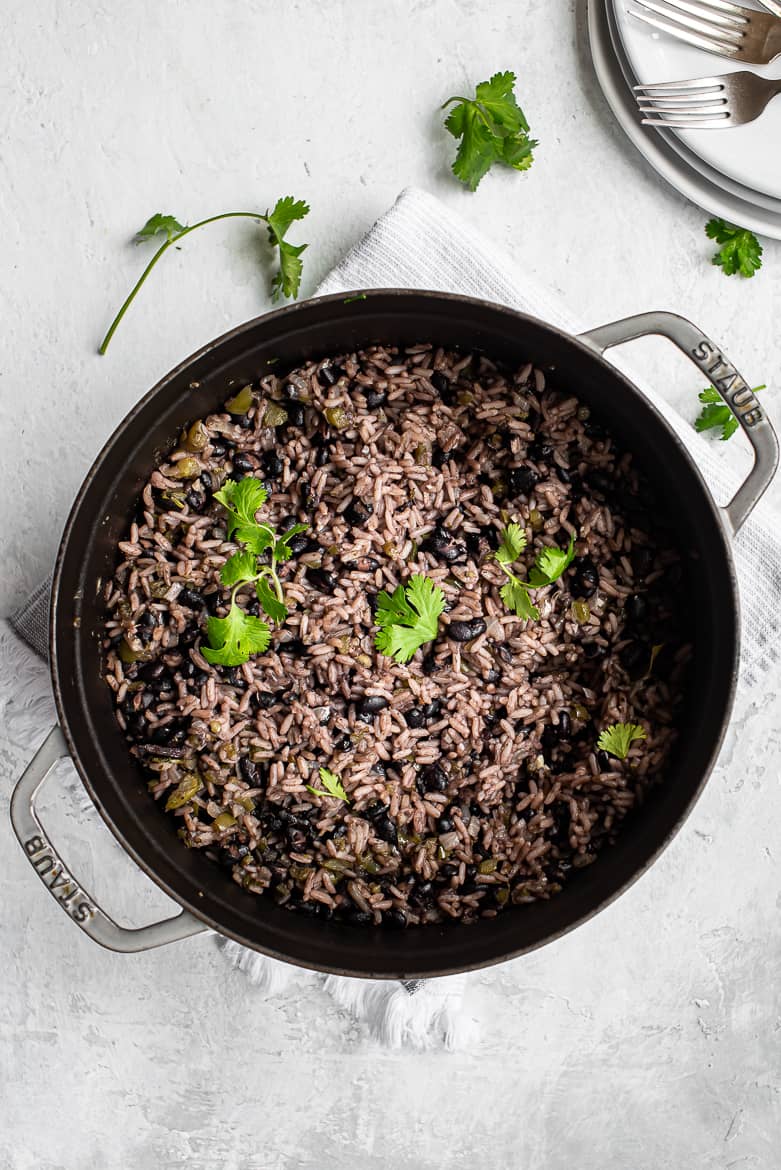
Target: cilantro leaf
159 225
492 128
235 637
241 499
241 567
513 544
332 785
283 551
716 413
286 211
618 738
740 252
515 596
409 617
550 563
275 608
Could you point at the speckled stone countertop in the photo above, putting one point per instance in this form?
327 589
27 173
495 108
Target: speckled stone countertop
647 1039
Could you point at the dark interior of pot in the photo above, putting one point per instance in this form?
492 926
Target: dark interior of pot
100 517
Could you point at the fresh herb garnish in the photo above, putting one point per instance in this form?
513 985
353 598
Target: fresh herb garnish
740 249
286 282
549 564
234 638
716 413
618 738
357 297
409 617
332 786
286 212
492 129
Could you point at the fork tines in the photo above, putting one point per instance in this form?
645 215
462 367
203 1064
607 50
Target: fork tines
715 25
693 104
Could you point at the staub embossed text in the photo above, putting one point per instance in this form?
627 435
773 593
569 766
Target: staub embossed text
54 875
740 398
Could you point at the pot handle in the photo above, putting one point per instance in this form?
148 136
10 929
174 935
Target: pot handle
731 386
72 896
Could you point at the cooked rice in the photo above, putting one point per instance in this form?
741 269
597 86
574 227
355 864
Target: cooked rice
501 792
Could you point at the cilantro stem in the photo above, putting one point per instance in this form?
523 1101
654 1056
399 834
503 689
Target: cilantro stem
163 248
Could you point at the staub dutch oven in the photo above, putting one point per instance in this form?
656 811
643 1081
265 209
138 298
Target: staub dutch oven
88 731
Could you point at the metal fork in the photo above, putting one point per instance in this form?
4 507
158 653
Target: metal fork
707 103
720 27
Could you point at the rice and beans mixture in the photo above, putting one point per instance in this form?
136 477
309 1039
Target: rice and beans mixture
472 772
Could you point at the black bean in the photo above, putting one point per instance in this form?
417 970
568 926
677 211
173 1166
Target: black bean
454 554
195 499
344 744
562 820
448 870
642 559
444 825
604 761
374 398
421 894
357 513
296 415
636 609
434 777
438 457
212 601
522 480
585 578
563 473
371 704
206 482
149 619
472 541
443 386
321 579
235 678
376 809
356 917
594 651
490 534
432 710
264 700
379 768
294 647
308 909
219 448
395 919
243 463
330 375
565 725
540 451
634 659
438 539
415 717
136 725
466 631
299 543
272 464
250 771
429 663
385 828
151 670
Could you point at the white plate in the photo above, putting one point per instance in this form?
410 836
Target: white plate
695 180
748 154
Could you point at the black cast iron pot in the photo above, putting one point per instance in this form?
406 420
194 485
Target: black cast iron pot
88 731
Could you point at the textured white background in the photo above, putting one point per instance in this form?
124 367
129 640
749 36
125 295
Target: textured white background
650 1038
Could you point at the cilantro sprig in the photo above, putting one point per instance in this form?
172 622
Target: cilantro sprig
408 617
332 786
492 128
233 639
715 413
287 280
740 251
619 737
549 564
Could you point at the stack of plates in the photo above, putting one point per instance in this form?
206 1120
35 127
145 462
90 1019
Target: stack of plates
733 173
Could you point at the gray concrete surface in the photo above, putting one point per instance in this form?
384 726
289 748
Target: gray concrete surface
649 1039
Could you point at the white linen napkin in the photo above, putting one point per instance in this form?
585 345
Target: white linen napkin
419 243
